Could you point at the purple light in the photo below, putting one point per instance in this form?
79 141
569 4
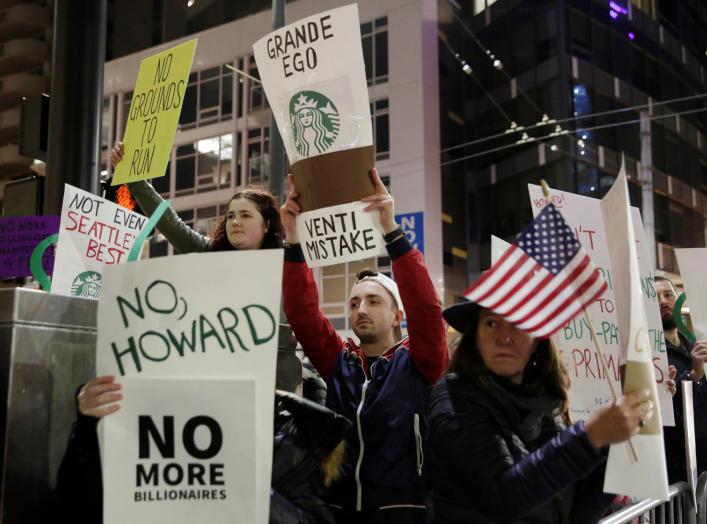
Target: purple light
631 36
613 14
616 7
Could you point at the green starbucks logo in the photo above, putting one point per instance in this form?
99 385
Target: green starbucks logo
315 122
87 284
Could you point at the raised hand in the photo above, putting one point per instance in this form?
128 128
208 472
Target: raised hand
98 396
117 154
289 211
382 201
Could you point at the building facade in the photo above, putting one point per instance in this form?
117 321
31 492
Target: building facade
597 68
222 142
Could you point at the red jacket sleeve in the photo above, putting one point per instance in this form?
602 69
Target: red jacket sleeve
427 340
320 341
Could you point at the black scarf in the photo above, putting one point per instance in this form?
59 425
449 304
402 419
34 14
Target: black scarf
525 405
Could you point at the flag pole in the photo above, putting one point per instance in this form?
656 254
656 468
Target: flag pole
590 324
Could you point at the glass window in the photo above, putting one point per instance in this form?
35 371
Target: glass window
374 40
381 128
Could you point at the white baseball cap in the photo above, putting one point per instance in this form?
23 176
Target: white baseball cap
388 283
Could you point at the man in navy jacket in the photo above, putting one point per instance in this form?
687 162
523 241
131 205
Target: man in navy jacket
382 383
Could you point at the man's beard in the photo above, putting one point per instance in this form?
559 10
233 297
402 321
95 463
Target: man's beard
668 323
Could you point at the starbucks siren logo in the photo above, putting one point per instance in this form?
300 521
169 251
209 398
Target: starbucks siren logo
87 284
315 122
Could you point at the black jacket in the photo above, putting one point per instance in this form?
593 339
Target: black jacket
679 356
306 434
489 460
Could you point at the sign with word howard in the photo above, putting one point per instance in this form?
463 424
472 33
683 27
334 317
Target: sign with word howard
338 234
155 321
154 114
18 238
589 390
93 232
181 451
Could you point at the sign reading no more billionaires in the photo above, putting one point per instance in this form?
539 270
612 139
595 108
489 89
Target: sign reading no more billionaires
589 389
156 321
181 451
19 237
93 232
154 113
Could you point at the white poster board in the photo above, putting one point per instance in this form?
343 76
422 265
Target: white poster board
635 468
498 247
337 234
589 389
156 321
314 78
693 270
93 232
195 459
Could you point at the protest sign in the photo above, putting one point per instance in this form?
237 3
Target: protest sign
181 451
155 321
315 81
18 238
589 389
694 280
645 474
93 232
154 113
688 417
337 234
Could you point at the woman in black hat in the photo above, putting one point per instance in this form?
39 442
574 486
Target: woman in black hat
500 447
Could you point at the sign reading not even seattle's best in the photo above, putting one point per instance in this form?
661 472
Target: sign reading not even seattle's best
154 113
337 234
314 77
93 232
192 441
18 238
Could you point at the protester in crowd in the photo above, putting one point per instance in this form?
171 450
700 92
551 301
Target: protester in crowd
383 382
252 220
307 454
688 359
498 449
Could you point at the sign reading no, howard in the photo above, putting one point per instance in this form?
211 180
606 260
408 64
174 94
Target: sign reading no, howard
197 363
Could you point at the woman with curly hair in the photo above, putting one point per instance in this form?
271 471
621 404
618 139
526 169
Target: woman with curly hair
252 220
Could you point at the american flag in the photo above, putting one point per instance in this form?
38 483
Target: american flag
543 280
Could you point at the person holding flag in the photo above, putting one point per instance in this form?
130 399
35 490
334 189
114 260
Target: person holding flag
500 445
383 382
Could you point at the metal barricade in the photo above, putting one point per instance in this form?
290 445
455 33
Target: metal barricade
679 509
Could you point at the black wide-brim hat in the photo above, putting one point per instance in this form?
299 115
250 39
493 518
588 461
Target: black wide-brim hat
460 315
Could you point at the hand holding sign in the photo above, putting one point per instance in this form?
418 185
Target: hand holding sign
620 420
699 355
117 154
98 397
382 201
289 211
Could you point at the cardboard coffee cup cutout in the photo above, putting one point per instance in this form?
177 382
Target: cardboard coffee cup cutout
314 78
